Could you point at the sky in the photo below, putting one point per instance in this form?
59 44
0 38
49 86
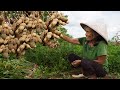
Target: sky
111 18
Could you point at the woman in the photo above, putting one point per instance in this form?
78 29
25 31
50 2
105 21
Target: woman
94 54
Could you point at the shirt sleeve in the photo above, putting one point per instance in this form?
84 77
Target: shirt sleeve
82 40
102 49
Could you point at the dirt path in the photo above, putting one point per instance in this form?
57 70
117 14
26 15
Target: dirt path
68 75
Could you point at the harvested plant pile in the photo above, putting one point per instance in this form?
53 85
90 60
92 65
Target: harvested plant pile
28 28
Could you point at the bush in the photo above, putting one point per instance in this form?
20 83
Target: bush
15 69
54 59
114 58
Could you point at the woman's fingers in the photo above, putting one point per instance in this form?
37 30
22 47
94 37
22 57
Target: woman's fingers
76 62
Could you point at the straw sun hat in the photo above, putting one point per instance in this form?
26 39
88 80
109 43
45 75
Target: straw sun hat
97 26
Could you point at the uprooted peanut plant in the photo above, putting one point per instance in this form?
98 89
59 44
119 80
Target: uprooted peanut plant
22 30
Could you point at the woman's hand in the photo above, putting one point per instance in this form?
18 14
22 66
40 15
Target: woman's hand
76 63
101 59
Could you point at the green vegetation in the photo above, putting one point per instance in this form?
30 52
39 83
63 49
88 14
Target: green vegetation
114 58
52 62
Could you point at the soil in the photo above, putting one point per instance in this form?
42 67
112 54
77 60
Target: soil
68 75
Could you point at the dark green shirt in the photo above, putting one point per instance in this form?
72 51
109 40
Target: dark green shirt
92 53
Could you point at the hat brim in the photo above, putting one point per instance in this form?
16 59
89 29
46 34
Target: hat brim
84 25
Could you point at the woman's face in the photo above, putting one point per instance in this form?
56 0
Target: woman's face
90 34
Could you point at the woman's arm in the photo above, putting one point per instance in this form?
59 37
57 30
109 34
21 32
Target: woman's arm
71 40
101 59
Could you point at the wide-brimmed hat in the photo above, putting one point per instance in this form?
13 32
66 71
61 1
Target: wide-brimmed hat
98 27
